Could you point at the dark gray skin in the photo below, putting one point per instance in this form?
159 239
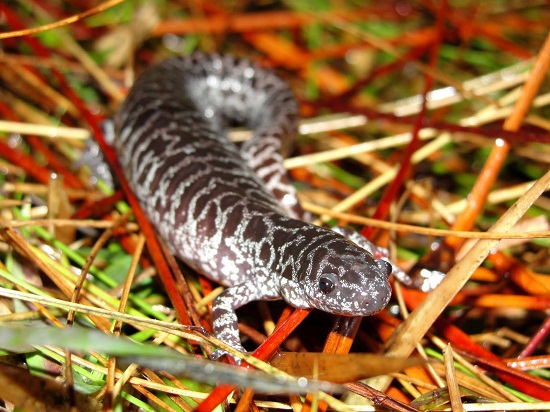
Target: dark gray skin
230 213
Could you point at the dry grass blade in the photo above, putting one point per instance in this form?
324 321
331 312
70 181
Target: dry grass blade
422 230
98 9
44 130
340 368
452 384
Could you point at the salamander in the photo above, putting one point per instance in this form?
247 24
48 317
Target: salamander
231 212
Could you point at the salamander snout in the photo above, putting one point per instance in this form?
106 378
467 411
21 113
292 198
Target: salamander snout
351 283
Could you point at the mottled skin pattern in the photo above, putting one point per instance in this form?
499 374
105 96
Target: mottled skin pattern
231 213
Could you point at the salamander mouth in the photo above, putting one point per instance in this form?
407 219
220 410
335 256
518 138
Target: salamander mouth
353 306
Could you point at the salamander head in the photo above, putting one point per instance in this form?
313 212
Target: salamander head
344 279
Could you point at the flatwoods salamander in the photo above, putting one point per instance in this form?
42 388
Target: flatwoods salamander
231 213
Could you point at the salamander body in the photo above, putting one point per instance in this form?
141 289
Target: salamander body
230 213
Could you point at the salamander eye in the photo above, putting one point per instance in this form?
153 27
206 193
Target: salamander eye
384 266
327 283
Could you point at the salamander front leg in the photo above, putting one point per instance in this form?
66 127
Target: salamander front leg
225 322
